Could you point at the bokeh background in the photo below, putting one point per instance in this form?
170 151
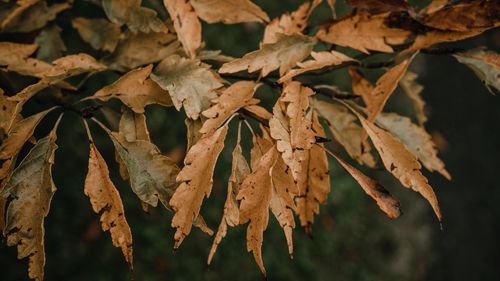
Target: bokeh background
352 239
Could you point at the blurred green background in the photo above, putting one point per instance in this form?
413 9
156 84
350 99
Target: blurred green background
352 239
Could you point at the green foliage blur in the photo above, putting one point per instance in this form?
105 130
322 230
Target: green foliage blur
352 239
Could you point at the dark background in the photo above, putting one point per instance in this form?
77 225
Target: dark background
352 239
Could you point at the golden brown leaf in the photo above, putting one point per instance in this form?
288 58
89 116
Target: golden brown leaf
14 53
284 54
106 201
130 12
190 83
486 65
238 95
31 188
31 15
360 85
195 181
7 114
433 37
99 33
258 112
186 24
135 90
229 11
412 89
364 32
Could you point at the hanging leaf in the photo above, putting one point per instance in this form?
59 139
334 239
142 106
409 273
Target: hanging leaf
186 24
30 188
130 12
106 201
51 44
412 89
284 54
229 11
195 181
99 33
364 32
416 139
238 95
433 37
486 65
190 83
321 60
135 90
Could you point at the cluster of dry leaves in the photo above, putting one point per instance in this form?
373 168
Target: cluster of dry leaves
163 61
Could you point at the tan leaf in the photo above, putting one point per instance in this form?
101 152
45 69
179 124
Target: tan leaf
135 90
283 54
360 85
8 114
99 33
289 23
401 163
195 181
231 100
388 204
255 195
258 112
51 44
412 89
320 60
314 182
384 87
193 131
130 12
32 16
31 188
345 131
190 83
486 65
229 11
141 49
416 139
364 32
106 201
14 53
230 217
19 133
433 37
186 24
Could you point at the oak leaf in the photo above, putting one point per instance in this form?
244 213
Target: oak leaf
229 11
186 24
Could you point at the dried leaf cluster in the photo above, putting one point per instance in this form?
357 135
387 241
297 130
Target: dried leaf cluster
161 59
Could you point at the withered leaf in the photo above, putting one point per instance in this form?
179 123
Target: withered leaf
255 195
190 83
238 95
364 32
130 12
186 24
229 11
433 37
360 85
486 65
51 44
284 54
380 6
416 139
388 204
99 33
195 182
135 90
14 53
31 188
31 15
412 89
320 60
8 114
106 201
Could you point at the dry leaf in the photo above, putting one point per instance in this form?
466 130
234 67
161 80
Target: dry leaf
238 95
135 90
193 131
14 53
360 85
388 204
486 65
51 44
364 32
31 188
8 116
106 201
320 60
99 33
380 6
433 37
31 15
283 54
195 182
186 24
228 11
130 12
190 83
412 89
258 112
416 139
433 6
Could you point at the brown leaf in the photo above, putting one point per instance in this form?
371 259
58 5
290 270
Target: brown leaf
8 115
106 201
31 15
135 90
190 83
433 37
255 195
195 181
130 12
486 65
14 53
360 85
258 112
283 54
31 188
51 44
99 33
229 11
388 204
364 32
433 6
238 95
186 24
412 89
380 6
320 60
